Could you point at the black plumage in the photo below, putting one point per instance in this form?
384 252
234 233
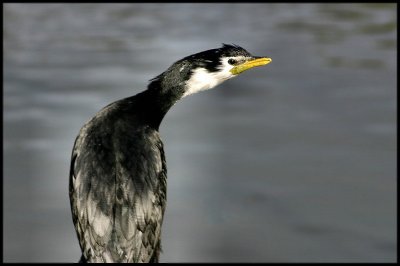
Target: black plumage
118 170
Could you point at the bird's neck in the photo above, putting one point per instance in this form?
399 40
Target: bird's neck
151 105
164 94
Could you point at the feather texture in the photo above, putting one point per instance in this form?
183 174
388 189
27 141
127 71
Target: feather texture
118 189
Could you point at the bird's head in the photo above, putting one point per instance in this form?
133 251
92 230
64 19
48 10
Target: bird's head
207 69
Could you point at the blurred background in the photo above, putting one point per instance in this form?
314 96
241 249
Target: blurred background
292 162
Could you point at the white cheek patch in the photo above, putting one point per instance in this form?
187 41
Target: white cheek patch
202 79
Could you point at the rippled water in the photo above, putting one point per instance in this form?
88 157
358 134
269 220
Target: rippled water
294 162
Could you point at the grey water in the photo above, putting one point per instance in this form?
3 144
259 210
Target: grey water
291 162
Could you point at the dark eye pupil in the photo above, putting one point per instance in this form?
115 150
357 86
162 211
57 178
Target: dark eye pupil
232 61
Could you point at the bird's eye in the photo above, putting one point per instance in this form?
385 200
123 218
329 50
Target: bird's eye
232 61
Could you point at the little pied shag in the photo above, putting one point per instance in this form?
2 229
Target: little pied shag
118 172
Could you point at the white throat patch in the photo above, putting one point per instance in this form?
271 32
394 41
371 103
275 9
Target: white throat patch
202 80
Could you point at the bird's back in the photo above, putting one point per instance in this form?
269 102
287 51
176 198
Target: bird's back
118 187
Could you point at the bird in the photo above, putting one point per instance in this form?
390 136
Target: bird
118 171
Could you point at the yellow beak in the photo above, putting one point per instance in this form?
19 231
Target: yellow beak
250 64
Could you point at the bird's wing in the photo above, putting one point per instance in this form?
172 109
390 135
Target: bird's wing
140 194
117 193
